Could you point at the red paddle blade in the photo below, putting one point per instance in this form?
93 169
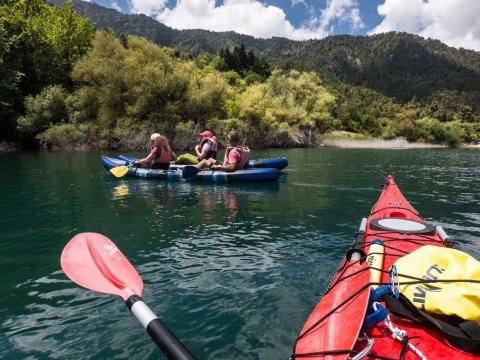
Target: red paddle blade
336 321
93 261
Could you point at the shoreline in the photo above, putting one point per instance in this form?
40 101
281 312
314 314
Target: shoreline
346 142
9 146
470 146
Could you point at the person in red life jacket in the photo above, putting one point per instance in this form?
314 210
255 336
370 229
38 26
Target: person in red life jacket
160 155
207 148
236 156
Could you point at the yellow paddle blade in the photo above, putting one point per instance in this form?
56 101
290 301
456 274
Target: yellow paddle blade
119 171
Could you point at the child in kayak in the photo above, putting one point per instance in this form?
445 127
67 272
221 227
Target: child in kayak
160 155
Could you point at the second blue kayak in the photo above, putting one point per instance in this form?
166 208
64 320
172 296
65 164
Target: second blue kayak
266 174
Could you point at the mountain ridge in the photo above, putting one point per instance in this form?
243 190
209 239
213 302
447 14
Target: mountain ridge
399 65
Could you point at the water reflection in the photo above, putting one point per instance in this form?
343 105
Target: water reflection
233 200
120 191
235 203
205 196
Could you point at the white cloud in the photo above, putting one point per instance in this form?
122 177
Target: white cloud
114 5
454 22
250 17
243 16
296 2
344 11
147 7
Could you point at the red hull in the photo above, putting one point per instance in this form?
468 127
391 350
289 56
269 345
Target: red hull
346 299
391 207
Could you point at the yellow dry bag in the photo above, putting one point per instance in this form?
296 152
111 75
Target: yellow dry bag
435 263
186 159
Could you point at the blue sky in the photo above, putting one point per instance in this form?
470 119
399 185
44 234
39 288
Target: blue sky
454 22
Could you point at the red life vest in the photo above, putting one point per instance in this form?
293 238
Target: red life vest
212 154
164 157
244 153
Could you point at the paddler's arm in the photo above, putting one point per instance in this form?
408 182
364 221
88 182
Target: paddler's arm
147 161
226 167
200 154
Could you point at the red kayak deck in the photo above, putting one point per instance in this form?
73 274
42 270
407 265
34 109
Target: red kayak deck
391 213
342 301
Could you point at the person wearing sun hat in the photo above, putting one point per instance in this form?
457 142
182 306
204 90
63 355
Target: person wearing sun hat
207 148
160 156
154 136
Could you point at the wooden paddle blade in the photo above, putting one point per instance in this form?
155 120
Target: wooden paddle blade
336 321
93 261
119 171
189 171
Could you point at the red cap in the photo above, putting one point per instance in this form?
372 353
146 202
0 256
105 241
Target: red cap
206 133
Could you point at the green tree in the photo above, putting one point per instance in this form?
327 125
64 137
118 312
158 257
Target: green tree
40 44
289 103
51 41
44 110
102 70
242 62
206 98
404 125
454 133
466 114
430 130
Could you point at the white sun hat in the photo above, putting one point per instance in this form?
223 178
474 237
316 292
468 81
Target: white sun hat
154 136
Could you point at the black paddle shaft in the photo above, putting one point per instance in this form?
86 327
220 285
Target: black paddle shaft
167 341
170 345
357 246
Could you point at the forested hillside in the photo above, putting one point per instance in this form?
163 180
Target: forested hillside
65 85
398 65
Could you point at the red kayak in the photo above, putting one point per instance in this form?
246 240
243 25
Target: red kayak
337 329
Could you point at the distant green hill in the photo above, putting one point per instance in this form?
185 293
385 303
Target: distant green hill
398 65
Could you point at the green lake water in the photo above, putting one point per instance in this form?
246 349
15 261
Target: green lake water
233 270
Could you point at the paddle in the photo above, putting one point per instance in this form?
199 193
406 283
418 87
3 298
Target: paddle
119 171
93 261
189 171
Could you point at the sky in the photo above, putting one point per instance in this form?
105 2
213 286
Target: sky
454 22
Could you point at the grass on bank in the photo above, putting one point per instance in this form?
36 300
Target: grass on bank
344 139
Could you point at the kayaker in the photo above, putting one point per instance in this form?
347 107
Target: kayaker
207 148
236 156
160 155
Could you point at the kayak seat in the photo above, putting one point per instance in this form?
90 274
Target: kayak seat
397 214
402 225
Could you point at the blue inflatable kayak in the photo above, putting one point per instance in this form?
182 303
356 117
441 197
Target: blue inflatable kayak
276 163
266 174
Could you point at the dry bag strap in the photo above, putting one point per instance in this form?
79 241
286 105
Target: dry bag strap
464 334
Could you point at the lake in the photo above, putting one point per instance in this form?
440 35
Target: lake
232 269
